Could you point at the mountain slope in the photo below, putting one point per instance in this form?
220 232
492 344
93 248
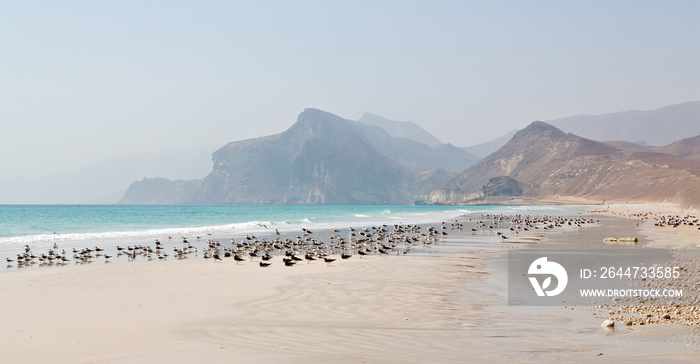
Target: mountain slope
548 162
401 129
631 147
321 159
486 148
415 155
688 148
655 127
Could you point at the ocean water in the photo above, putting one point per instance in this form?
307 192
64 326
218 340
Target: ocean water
40 226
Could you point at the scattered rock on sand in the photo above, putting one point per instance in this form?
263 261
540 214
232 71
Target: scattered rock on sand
628 240
608 324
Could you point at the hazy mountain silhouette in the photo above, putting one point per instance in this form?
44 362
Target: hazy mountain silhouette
321 159
688 148
105 182
655 127
413 154
483 149
401 129
325 159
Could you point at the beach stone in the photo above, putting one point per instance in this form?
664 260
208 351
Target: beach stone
608 324
629 323
667 317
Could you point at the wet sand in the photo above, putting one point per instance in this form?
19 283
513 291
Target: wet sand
436 306
681 237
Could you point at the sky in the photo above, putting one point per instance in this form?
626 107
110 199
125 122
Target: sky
83 81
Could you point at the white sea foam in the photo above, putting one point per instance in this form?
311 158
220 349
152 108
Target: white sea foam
147 235
47 240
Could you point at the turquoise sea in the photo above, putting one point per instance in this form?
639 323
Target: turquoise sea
41 226
67 229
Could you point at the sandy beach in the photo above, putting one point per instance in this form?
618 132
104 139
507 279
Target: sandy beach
377 309
433 307
680 237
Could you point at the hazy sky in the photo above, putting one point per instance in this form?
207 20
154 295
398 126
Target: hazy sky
82 81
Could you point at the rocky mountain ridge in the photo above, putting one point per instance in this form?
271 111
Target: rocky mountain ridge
325 159
548 162
321 159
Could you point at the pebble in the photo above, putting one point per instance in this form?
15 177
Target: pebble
608 324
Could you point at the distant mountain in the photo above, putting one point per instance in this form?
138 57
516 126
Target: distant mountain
655 127
486 148
401 129
321 159
105 182
631 147
543 161
415 155
688 148
325 159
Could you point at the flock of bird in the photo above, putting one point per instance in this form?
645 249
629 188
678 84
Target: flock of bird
376 240
517 223
665 220
380 240
396 239
676 221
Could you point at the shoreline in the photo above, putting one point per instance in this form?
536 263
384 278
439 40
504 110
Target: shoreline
69 249
681 237
428 307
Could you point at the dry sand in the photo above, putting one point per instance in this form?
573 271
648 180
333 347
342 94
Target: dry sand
377 309
439 308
